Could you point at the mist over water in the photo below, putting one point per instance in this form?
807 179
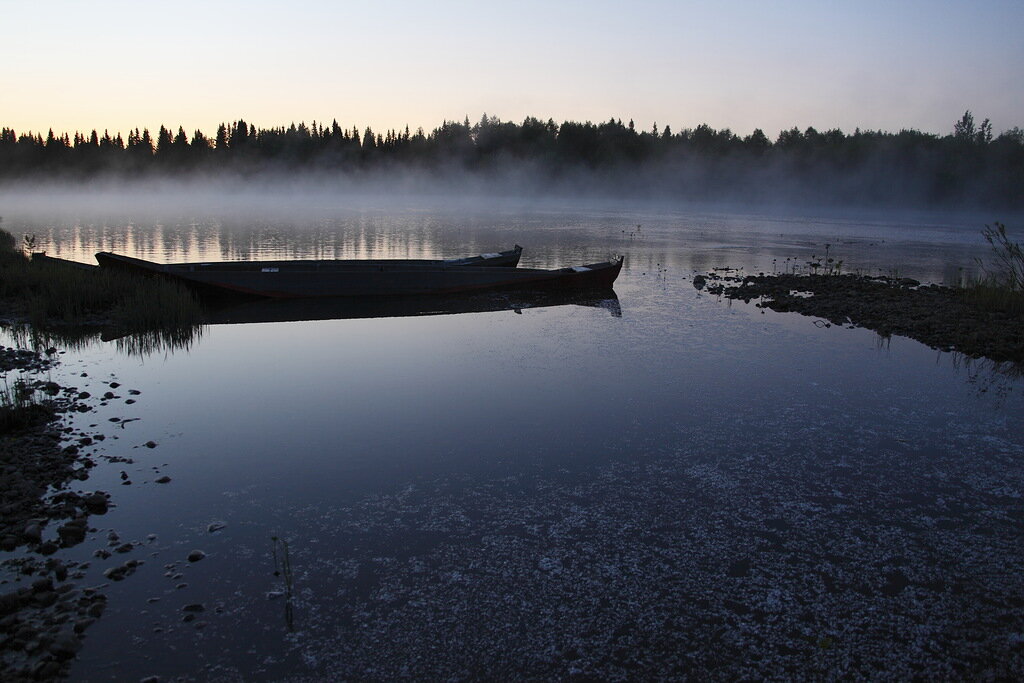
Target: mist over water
275 217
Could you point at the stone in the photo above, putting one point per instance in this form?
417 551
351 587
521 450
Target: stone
33 533
72 533
116 573
45 599
215 526
42 585
65 645
163 480
9 602
96 503
196 555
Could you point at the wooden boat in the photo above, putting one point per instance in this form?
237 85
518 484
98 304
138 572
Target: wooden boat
41 257
508 258
289 279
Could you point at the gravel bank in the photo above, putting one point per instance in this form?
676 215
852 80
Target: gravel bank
937 316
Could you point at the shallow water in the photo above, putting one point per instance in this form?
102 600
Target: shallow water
688 486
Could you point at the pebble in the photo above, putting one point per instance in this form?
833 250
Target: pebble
33 533
196 555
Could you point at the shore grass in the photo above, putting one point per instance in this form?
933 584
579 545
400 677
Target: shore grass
1000 286
47 295
21 406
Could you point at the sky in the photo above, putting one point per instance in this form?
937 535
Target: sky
387 64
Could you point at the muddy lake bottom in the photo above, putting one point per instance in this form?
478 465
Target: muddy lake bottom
673 485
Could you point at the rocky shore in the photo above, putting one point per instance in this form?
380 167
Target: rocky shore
43 620
941 317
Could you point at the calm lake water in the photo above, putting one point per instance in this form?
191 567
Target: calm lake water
667 483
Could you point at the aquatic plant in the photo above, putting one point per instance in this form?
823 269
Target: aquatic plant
285 568
828 265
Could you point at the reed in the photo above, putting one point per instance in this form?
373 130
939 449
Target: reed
48 294
1000 284
21 406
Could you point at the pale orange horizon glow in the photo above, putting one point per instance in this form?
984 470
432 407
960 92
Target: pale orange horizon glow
118 65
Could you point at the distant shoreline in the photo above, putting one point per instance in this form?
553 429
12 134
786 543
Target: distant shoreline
970 166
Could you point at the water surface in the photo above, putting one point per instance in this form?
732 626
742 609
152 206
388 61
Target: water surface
668 483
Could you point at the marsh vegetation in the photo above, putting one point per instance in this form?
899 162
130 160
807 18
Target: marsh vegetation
1000 286
55 296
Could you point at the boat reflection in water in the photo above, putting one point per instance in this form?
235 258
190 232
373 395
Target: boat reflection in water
233 310
342 308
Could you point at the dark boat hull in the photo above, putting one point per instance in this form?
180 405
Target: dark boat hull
290 279
507 259
41 257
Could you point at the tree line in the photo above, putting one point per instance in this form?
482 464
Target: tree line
969 165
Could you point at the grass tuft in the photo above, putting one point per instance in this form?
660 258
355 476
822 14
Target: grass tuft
21 406
1000 287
